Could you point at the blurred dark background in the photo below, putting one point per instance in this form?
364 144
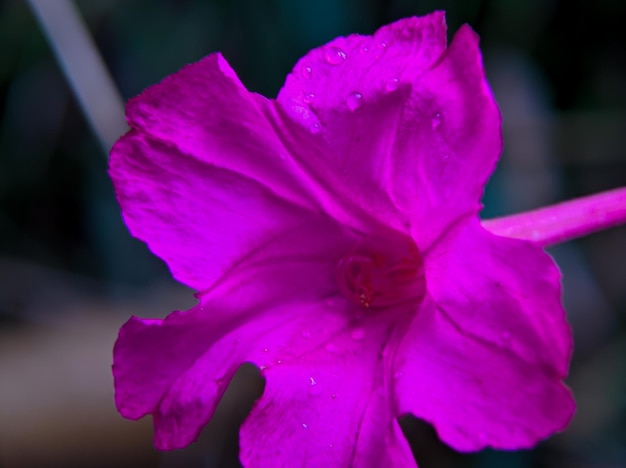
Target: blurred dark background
70 274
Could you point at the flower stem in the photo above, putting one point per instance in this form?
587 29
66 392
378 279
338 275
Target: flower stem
564 221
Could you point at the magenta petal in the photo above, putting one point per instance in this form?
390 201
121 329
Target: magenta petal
207 114
329 407
324 80
204 171
485 357
408 130
350 94
457 137
177 368
312 346
161 352
201 219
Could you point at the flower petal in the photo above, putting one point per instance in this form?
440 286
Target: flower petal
311 344
178 368
405 130
485 357
324 80
167 171
199 218
206 113
328 407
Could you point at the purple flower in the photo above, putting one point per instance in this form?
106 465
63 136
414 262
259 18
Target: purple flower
334 240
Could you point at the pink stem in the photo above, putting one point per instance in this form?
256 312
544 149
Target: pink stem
564 221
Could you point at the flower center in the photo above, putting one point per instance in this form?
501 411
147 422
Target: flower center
382 272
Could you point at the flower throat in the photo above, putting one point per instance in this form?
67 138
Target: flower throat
382 271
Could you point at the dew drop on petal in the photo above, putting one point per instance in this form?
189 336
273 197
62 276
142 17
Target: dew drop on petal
392 85
305 426
354 101
382 45
334 55
309 98
314 389
304 115
265 350
436 120
306 71
364 50
357 334
333 396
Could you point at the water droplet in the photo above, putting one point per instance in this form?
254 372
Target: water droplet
279 362
305 426
265 350
364 50
334 55
309 98
305 334
382 45
314 389
331 348
333 396
436 120
306 71
304 115
330 445
354 101
392 85
358 334
301 111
